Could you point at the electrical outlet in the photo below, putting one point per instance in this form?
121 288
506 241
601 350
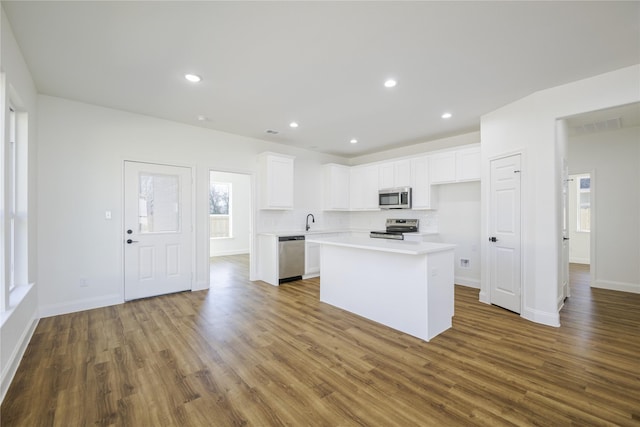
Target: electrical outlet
464 263
84 283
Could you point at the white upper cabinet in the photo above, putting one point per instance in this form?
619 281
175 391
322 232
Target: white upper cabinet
468 164
363 192
455 166
422 195
336 187
356 187
394 174
276 176
442 167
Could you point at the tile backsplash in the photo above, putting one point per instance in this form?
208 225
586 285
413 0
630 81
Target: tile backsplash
294 220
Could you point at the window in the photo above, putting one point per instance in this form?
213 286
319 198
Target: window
584 203
14 200
11 199
220 210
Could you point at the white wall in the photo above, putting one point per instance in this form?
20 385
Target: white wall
420 148
579 241
18 323
459 223
82 149
240 212
614 158
529 126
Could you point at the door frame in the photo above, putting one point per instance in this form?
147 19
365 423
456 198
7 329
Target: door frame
252 220
485 286
121 225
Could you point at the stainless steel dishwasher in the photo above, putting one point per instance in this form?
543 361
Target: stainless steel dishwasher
290 258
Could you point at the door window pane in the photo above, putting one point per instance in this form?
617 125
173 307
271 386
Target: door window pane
220 209
158 207
584 203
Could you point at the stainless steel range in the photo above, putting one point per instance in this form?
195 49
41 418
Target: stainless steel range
395 229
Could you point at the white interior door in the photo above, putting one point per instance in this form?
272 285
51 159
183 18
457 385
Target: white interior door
504 233
157 229
564 288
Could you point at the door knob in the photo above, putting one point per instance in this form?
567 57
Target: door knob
129 231
493 239
129 241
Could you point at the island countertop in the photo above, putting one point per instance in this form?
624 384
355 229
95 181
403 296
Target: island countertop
383 245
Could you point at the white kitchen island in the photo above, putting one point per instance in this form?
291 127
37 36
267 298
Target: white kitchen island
405 285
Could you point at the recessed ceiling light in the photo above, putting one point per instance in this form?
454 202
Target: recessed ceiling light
293 125
354 141
390 83
446 115
193 78
202 118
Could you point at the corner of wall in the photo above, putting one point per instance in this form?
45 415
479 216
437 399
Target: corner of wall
542 317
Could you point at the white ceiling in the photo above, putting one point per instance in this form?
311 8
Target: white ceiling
608 119
322 64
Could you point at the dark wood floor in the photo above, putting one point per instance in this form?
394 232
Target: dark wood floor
247 353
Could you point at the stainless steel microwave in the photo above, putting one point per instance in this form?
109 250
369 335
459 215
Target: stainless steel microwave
395 198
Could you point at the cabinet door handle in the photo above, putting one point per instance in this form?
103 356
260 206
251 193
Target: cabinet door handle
493 239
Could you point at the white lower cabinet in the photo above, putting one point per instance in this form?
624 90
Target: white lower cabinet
312 259
312 255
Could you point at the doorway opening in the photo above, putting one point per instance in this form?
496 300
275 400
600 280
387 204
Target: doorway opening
580 224
230 239
604 196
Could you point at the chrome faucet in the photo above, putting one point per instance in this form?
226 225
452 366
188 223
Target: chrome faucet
313 219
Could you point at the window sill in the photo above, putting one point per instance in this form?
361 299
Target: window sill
16 296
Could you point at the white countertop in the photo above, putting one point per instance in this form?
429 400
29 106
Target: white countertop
313 232
383 245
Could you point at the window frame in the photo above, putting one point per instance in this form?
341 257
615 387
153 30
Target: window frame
14 178
228 215
579 192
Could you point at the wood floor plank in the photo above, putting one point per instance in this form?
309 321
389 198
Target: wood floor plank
249 354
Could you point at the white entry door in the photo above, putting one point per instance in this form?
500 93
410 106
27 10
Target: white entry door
157 229
504 233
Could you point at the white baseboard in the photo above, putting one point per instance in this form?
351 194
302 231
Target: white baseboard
11 367
580 261
467 281
80 305
616 286
484 297
201 285
227 253
542 317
